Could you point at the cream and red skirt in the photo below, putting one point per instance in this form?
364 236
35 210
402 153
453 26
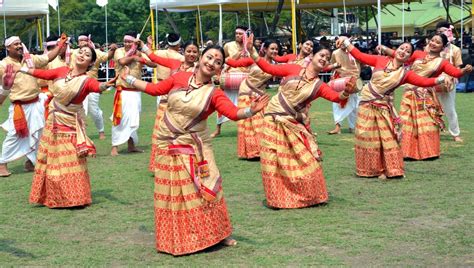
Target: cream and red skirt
61 178
248 132
377 151
292 177
160 111
184 221
421 134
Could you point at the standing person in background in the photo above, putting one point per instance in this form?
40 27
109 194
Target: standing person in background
91 103
235 50
348 67
127 100
447 96
303 58
26 113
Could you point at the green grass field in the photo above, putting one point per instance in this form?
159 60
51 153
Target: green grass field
425 219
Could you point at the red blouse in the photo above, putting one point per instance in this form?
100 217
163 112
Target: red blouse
242 62
285 58
380 62
90 85
445 66
219 101
287 70
166 62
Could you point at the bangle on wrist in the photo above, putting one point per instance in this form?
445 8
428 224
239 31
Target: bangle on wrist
248 112
130 80
346 43
145 49
440 80
24 69
102 86
4 92
254 55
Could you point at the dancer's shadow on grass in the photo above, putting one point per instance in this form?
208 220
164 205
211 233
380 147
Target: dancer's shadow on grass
8 247
100 195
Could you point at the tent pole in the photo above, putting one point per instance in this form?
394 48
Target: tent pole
59 22
106 45
47 25
462 21
156 26
379 19
220 25
200 27
4 27
248 14
293 25
403 20
345 15
237 18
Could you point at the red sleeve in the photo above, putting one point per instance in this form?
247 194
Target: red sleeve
418 54
414 79
327 69
285 58
280 70
166 62
329 94
51 74
242 62
365 58
161 88
223 105
449 69
179 79
92 85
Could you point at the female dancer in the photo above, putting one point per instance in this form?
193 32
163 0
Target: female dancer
290 159
303 58
190 211
377 149
248 130
61 178
191 55
420 110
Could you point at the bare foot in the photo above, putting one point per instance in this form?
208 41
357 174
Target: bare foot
29 167
4 171
229 242
458 139
215 134
101 136
382 177
114 151
336 130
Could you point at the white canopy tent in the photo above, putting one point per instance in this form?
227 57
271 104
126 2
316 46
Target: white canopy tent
24 8
264 5
13 9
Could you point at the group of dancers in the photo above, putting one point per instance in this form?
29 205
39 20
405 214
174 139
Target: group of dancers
190 210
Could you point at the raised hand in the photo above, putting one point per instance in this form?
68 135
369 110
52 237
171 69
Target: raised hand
62 40
259 103
340 41
249 44
111 82
467 69
351 86
8 77
113 46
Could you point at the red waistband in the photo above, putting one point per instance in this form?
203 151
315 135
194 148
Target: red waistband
26 102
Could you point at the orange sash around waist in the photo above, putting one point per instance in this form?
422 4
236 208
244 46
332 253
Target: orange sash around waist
117 113
19 119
